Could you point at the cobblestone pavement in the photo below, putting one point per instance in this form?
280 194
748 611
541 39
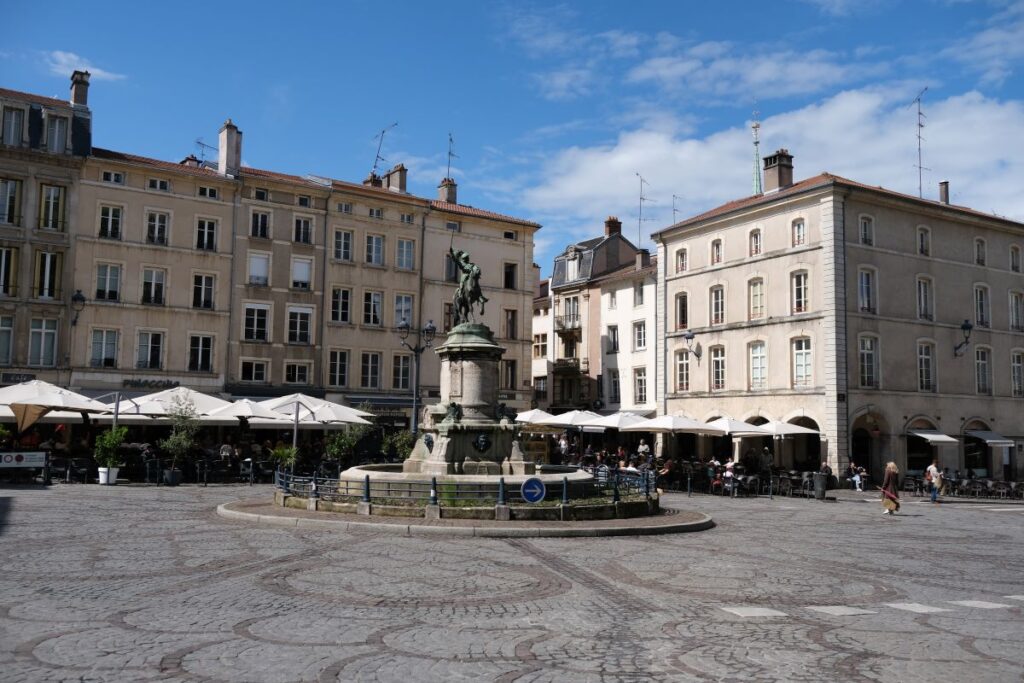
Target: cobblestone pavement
137 584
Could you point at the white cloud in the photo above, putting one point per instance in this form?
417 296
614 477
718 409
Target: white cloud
63 63
995 50
565 84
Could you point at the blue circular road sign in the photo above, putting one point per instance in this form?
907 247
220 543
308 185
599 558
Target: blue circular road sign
533 490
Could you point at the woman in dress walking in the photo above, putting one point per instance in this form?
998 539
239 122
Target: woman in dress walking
890 489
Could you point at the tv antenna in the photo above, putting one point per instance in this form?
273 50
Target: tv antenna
755 129
380 143
640 217
203 147
451 155
675 211
920 127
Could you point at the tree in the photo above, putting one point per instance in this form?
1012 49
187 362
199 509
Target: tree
107 445
341 445
400 442
183 429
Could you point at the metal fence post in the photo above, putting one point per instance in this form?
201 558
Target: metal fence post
252 468
565 490
433 490
689 484
501 491
770 486
366 489
647 485
615 488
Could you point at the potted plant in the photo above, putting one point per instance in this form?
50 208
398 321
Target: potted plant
284 456
341 446
183 431
106 454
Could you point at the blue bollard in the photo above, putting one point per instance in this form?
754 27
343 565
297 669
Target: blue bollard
433 490
366 489
565 490
501 491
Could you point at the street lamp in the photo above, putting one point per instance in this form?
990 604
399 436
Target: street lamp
960 348
78 302
695 350
426 336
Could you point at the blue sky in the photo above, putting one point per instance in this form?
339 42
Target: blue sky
556 107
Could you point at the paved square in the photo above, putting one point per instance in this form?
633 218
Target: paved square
139 584
979 604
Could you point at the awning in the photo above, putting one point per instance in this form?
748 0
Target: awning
931 436
991 438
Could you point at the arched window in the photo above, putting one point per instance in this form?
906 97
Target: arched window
800 292
867 290
716 252
979 252
717 368
799 230
982 306
925 299
924 241
926 366
717 307
682 262
682 370
983 370
867 230
755 242
682 311
755 298
1017 311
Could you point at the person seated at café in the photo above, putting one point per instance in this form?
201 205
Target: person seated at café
825 469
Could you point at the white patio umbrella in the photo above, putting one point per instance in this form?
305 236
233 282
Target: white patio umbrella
128 406
779 428
531 416
246 409
736 428
574 418
303 408
674 424
616 421
203 404
333 412
31 400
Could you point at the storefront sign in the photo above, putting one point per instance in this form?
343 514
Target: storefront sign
23 459
150 383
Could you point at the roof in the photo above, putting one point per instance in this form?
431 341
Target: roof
34 99
628 271
111 155
274 175
820 180
467 210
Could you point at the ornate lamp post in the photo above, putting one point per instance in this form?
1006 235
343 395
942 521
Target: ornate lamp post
424 338
78 302
961 348
689 336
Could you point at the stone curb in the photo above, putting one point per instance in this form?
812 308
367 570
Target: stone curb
225 510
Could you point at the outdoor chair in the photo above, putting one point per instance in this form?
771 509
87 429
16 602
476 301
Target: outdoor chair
70 469
975 488
910 486
751 485
1001 489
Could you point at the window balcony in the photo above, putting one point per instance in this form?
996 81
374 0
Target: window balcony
567 322
259 280
147 365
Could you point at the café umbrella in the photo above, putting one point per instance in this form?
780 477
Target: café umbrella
31 400
674 424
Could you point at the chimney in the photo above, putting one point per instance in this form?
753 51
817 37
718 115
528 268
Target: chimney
80 89
394 179
191 160
643 259
447 191
778 171
372 180
612 226
229 149
944 192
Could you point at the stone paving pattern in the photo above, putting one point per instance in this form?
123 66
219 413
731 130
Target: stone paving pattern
139 584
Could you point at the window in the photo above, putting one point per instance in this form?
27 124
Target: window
979 251
451 272
6 338
344 207
758 366
925 366
401 371
448 321
104 349
208 192
682 312
254 371
260 224
261 194
206 234
572 267
304 200
868 362
337 368
202 291
540 388
982 311
110 222
1015 259
613 300
867 230
342 245
925 299
682 370
151 348
115 177
614 392
407 218
259 269
509 278
156 227
511 323
924 241
613 339
755 297
201 353
511 235
403 308
453 226
800 293
405 254
540 346
717 305
8 270
302 273
640 385
48 271
376 213
341 305
983 370
1016 372
42 342
108 282
14 125
639 336
375 250
10 194
799 232
508 375
802 362
755 242
296 373
372 302
638 294
303 230
300 324
256 326
153 284
51 213
369 377
56 134
1017 311
717 368
716 252
681 261
866 290
158 184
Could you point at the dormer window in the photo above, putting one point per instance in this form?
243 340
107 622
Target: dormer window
572 267
56 134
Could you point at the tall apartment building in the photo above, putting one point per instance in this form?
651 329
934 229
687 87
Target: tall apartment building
239 280
845 307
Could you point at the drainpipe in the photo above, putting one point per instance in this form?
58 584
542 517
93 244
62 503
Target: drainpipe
235 200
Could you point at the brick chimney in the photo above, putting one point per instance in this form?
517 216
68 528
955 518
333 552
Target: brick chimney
394 179
612 226
191 160
372 180
447 191
944 192
778 171
80 88
229 149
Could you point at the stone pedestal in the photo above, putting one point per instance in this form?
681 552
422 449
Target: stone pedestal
468 431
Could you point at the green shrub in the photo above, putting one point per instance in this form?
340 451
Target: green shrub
107 444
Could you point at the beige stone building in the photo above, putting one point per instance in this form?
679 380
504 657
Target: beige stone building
844 308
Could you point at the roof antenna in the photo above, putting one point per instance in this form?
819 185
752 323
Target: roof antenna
755 128
675 211
640 217
451 155
202 149
920 127
380 143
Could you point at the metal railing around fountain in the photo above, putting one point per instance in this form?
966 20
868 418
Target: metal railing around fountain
607 485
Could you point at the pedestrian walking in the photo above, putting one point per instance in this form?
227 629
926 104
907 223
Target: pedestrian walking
890 489
934 478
